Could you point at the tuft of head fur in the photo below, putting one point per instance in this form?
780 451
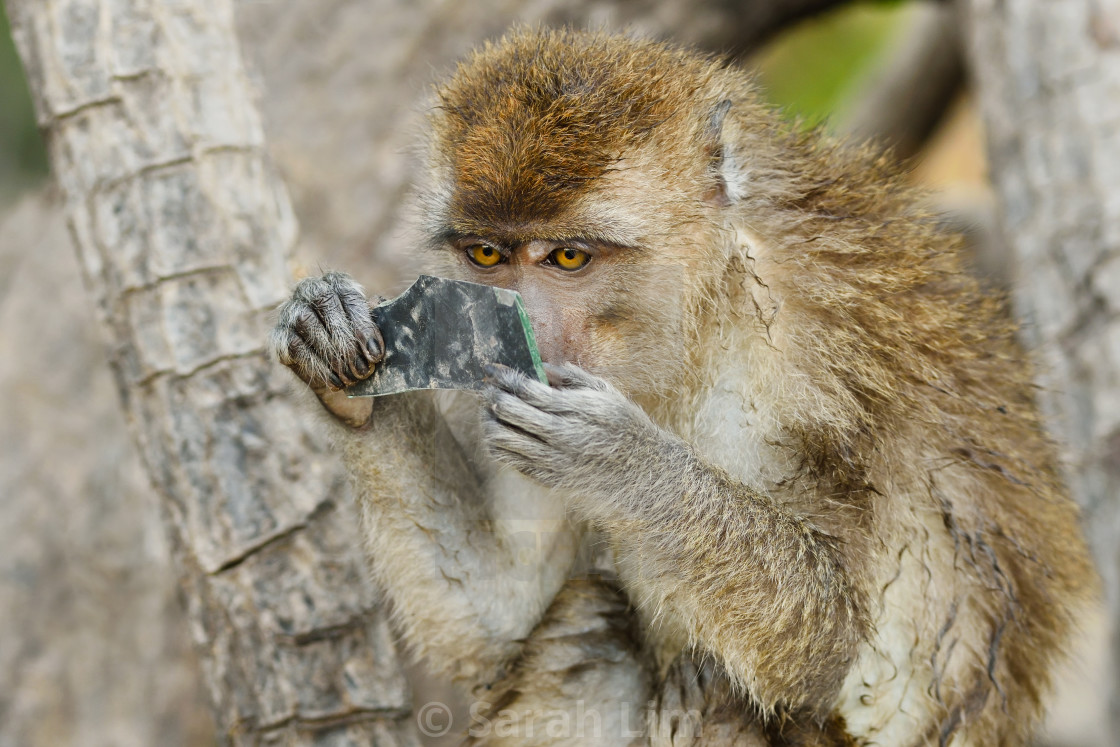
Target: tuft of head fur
531 123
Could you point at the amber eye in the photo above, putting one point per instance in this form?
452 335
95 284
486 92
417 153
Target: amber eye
569 259
484 255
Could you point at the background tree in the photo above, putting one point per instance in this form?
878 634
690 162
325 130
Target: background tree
183 229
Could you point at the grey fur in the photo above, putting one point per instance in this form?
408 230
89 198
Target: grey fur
325 334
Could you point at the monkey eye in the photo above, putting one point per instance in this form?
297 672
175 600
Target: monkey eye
569 259
484 255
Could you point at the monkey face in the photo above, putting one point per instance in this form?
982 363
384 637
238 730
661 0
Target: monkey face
613 281
610 309
588 190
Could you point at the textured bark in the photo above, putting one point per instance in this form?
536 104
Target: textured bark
183 231
1048 76
94 649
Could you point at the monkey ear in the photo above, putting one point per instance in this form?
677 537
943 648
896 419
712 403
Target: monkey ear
725 188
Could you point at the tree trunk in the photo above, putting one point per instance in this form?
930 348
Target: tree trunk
183 232
1048 76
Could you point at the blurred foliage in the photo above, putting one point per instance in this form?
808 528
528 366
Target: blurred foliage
809 69
23 158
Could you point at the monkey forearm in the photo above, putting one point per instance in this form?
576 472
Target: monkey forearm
749 581
755 584
464 583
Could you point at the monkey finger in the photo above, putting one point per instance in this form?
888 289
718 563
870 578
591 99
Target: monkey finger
571 376
504 437
332 316
520 385
307 365
521 446
532 468
348 343
302 320
307 327
318 295
553 401
511 410
356 307
373 342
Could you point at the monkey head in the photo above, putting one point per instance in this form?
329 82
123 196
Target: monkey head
594 189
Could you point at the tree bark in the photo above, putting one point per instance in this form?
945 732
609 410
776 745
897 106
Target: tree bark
1048 77
183 232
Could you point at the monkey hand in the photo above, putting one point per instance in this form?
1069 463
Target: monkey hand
580 434
326 336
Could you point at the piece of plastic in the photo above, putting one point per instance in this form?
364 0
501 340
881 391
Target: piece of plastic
442 334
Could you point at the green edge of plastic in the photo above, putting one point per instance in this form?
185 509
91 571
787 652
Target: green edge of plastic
538 366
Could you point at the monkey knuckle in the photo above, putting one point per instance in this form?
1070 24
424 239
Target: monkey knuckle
584 379
595 383
289 350
498 400
286 318
285 310
495 429
341 283
322 303
307 325
489 399
501 412
352 297
329 308
506 381
311 288
605 412
518 383
292 356
358 312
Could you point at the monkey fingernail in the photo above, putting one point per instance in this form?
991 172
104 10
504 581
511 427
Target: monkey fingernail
374 348
336 382
360 367
493 373
505 378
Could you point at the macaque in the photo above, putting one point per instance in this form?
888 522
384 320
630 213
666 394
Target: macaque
787 483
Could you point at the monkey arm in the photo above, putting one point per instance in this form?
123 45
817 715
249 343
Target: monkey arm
580 679
469 561
746 577
468 575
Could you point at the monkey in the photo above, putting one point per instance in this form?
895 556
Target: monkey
787 483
